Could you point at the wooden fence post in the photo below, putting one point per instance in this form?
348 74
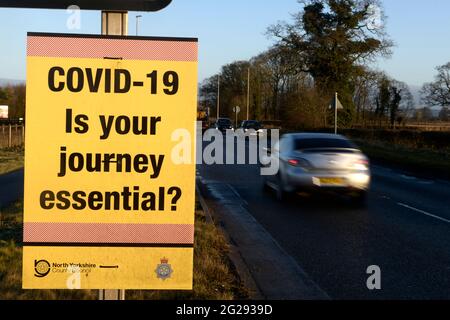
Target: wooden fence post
10 137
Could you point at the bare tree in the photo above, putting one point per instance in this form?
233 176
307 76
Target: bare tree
366 86
14 97
444 114
437 93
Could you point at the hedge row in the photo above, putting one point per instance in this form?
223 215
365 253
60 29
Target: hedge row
435 140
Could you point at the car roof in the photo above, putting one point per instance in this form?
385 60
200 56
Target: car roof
314 136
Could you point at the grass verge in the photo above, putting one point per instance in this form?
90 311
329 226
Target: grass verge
214 275
11 159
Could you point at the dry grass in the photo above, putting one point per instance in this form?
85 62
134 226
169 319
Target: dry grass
11 159
11 279
214 275
11 262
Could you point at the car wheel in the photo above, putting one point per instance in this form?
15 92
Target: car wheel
265 186
360 199
281 192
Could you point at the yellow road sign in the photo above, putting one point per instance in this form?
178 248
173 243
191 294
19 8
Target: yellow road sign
106 205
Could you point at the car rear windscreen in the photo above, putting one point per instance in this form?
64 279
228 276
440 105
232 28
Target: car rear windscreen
323 143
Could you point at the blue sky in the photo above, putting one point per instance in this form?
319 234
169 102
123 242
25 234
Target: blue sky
235 29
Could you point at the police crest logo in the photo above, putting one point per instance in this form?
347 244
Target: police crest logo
164 270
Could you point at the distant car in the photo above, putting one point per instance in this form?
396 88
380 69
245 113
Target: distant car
224 124
205 125
252 127
309 161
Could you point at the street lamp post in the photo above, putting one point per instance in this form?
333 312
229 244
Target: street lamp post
248 94
218 97
137 24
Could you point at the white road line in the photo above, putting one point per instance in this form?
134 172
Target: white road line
408 177
426 182
238 195
423 212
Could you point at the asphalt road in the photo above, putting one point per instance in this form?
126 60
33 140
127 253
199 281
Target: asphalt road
11 187
405 230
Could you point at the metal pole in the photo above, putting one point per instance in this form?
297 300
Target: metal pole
114 23
218 97
248 94
336 113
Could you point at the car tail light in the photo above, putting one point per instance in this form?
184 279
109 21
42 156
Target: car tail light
299 163
361 164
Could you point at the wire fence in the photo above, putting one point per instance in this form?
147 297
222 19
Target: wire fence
12 135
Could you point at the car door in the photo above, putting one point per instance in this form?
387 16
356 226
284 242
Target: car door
274 159
284 153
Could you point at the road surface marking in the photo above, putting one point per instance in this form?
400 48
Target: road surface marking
238 195
408 177
423 212
427 182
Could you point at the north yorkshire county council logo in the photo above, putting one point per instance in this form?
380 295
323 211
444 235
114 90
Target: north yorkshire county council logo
164 270
42 268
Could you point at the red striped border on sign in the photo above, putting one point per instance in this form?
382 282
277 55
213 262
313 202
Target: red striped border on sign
103 233
109 47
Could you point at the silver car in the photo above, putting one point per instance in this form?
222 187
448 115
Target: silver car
311 162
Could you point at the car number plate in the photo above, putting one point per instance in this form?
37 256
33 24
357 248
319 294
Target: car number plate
332 181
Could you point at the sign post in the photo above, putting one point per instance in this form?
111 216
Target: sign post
108 203
237 110
114 23
336 113
336 105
